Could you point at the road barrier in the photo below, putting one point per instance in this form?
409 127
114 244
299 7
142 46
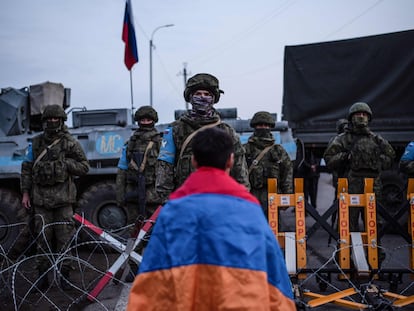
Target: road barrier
357 254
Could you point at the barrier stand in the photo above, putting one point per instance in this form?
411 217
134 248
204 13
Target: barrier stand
294 243
401 300
126 250
358 239
343 226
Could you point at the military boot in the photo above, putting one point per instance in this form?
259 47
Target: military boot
65 283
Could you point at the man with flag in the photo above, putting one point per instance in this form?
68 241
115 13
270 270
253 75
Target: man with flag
128 36
211 248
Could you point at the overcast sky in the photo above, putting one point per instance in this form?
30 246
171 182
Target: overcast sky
78 43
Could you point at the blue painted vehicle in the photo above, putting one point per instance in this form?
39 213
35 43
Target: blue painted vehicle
102 133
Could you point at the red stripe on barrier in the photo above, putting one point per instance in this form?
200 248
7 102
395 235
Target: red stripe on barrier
99 287
152 219
88 224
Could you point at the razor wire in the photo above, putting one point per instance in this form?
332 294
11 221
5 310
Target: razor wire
92 257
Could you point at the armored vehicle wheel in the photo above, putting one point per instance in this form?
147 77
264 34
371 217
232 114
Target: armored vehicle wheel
11 213
98 205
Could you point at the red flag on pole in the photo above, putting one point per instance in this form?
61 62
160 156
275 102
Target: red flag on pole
128 36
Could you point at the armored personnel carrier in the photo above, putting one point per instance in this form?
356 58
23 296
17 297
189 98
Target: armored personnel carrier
101 133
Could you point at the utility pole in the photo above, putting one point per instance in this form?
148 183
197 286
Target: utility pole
184 74
151 47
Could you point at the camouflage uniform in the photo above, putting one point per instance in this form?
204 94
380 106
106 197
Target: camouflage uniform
174 164
50 182
275 163
127 180
365 153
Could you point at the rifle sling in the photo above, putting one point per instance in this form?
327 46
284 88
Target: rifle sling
42 154
259 157
144 160
190 137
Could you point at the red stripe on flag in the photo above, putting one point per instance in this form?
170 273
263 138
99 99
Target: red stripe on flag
128 36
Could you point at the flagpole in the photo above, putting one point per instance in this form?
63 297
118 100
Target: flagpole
132 95
131 51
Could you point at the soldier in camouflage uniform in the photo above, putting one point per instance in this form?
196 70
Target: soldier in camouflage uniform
174 161
135 180
267 159
52 161
365 153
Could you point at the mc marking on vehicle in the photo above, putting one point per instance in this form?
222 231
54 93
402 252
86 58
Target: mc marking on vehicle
109 143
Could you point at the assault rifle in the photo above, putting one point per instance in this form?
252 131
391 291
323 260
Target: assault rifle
138 196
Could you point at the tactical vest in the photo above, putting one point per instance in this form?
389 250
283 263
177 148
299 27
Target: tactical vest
365 154
138 144
183 164
183 168
267 167
51 168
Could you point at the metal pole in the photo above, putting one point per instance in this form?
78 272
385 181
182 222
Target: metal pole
132 94
185 81
151 46
150 57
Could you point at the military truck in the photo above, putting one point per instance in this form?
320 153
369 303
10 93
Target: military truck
322 80
101 132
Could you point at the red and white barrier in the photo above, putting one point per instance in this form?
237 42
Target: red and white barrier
127 251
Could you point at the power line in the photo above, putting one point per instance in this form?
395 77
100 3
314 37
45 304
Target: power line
241 36
353 19
343 26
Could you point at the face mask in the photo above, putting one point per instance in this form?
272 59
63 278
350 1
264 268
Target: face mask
262 132
202 105
360 121
52 126
146 127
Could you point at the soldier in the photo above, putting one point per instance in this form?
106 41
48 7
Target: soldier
407 160
52 161
266 159
135 179
174 160
365 153
341 127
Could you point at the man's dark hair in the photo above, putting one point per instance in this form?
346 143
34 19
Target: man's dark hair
212 147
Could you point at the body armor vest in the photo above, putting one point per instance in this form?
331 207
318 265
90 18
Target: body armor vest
50 169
